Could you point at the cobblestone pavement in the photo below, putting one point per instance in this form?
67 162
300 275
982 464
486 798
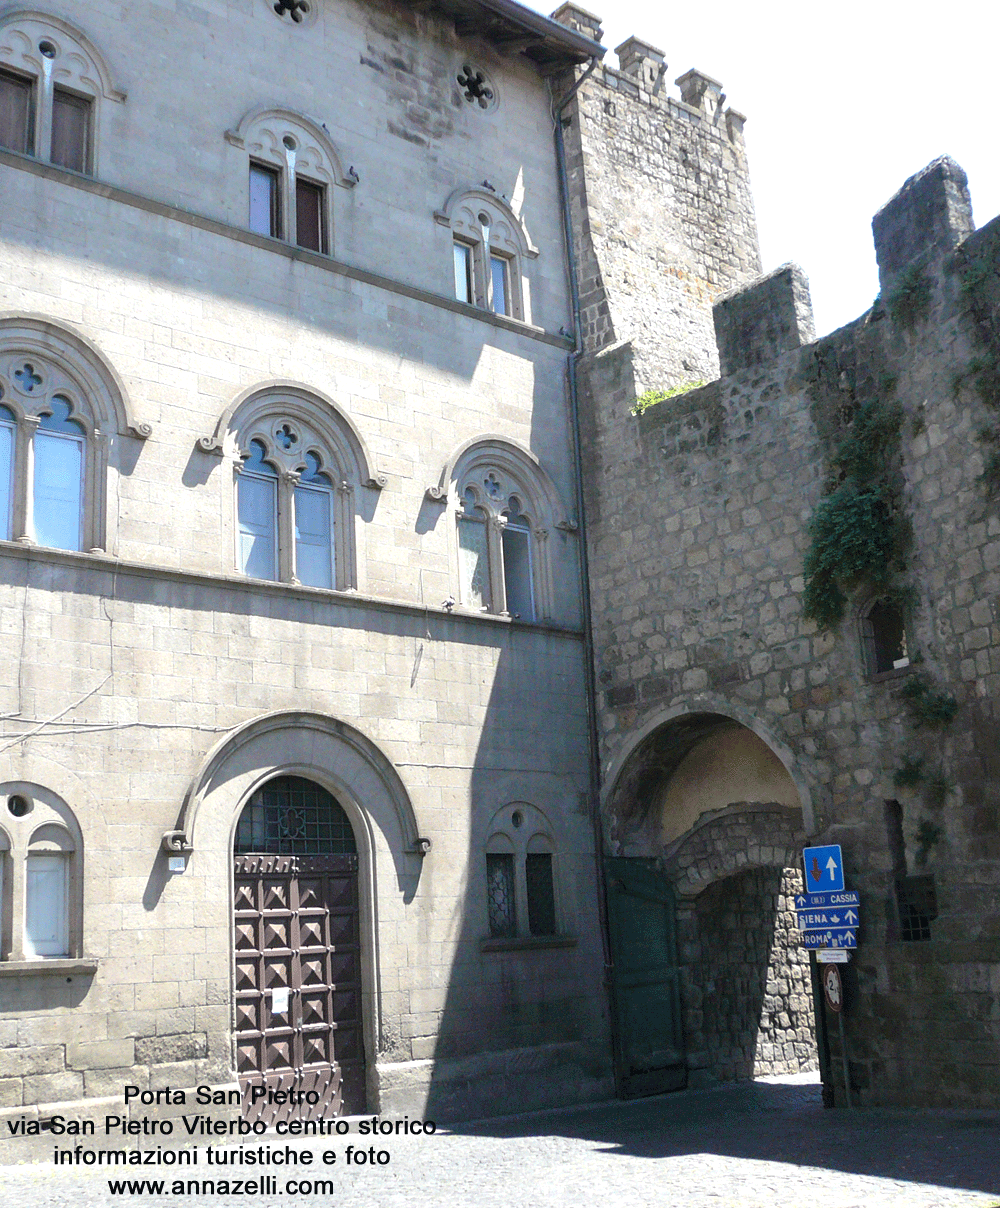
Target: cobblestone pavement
766 1145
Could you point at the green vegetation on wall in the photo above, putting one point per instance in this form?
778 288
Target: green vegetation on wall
859 533
650 398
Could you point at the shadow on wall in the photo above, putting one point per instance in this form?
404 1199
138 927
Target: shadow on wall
757 1010
522 1024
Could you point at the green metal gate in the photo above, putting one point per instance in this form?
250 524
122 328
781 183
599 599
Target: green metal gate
649 1037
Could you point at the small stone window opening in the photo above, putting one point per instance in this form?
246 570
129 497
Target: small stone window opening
284 204
520 874
41 900
500 892
883 632
540 893
476 86
916 899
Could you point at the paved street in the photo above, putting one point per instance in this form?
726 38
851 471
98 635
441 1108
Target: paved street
770 1145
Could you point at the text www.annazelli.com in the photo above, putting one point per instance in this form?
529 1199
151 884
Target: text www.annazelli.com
265 1185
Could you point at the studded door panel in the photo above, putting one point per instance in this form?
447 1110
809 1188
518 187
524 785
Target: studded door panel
296 931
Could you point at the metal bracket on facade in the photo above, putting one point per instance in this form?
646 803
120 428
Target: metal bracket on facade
420 847
176 843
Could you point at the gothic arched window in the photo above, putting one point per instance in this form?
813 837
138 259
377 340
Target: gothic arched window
299 464
293 168
41 890
520 877
489 247
505 508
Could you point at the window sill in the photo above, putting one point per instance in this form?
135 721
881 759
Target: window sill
896 673
63 966
527 943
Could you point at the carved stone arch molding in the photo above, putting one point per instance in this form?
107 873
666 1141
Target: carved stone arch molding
262 130
77 62
312 408
744 836
66 366
313 745
461 213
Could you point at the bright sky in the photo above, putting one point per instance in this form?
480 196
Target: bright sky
843 103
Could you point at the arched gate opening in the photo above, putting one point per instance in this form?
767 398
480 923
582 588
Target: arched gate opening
710 984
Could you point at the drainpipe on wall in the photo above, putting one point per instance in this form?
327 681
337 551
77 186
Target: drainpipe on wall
572 362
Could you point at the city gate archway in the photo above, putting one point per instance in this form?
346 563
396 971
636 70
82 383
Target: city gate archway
704 804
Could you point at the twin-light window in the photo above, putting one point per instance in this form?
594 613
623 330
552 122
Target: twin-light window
482 280
287 206
495 562
55 125
42 463
285 522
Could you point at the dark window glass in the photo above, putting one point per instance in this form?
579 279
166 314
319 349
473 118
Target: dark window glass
541 898
70 130
309 215
500 895
264 210
16 113
291 816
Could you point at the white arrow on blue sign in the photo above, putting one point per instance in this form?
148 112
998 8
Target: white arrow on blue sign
818 920
822 901
832 937
824 868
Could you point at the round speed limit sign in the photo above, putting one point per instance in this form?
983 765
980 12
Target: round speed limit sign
833 988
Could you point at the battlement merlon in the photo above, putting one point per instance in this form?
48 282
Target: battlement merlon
759 321
926 220
643 63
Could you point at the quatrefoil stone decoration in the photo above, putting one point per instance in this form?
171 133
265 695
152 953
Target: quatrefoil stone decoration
296 9
286 436
492 485
475 85
27 379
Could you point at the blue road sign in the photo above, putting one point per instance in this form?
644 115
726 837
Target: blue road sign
832 937
824 868
820 901
820 920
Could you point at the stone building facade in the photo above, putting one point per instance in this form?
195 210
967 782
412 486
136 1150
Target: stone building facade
242 601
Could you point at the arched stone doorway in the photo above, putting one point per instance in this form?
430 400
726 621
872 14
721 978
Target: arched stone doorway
706 804
296 935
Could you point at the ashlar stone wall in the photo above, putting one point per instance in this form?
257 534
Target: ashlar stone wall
699 530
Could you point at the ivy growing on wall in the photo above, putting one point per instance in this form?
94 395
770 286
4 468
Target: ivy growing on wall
859 533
